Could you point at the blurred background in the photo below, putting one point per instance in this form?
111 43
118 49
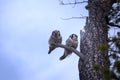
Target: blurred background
25 27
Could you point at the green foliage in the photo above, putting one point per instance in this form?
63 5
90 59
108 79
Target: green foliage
106 73
118 20
118 0
117 44
96 66
114 39
118 33
117 66
109 74
112 75
102 47
113 47
114 56
114 15
115 51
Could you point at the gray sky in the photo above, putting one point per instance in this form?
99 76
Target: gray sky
25 27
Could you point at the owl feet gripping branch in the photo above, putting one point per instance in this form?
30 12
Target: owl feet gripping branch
54 38
72 41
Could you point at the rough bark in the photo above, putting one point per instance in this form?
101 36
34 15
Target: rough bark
95 34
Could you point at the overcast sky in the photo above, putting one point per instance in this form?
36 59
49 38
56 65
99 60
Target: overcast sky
25 27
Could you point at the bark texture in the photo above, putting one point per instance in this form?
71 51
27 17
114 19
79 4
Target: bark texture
95 34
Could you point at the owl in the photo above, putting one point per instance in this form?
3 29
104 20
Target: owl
72 41
54 38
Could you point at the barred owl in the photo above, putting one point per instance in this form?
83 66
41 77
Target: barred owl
72 41
54 38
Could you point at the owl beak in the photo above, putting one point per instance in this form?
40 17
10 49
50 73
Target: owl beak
55 35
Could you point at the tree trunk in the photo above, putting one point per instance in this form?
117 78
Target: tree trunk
95 34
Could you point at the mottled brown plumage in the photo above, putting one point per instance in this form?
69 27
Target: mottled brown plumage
72 41
54 38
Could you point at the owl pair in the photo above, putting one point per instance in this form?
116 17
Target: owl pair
55 37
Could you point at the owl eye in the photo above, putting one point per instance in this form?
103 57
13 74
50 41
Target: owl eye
58 33
72 35
54 33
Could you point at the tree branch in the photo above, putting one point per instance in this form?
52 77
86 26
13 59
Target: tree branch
71 49
83 17
114 25
72 3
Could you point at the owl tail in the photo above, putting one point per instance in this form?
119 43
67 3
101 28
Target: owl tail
66 53
62 57
51 49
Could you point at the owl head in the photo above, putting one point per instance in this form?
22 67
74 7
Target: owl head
56 33
73 36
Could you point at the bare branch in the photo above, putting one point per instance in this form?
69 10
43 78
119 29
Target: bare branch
72 3
71 49
114 25
83 17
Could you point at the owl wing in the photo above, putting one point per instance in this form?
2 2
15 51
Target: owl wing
60 39
72 43
51 40
75 44
69 42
